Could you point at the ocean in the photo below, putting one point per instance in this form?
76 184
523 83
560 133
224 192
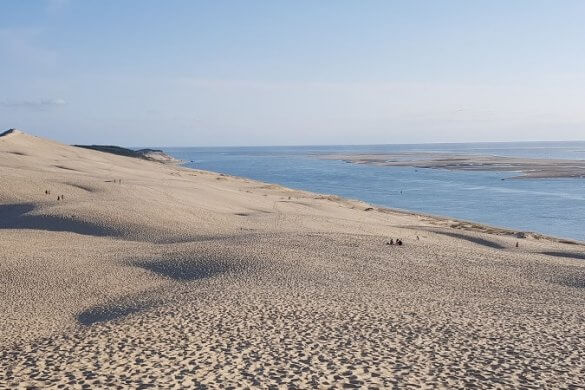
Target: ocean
551 206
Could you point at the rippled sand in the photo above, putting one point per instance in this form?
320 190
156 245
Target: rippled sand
154 275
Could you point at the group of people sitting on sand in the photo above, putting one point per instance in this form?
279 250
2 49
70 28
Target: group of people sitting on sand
391 242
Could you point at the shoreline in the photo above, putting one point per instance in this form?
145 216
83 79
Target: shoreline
474 226
453 222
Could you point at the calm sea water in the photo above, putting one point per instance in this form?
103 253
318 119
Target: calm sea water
555 207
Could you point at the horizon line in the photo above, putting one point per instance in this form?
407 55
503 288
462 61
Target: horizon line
382 144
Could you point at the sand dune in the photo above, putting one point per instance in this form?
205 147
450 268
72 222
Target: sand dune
146 274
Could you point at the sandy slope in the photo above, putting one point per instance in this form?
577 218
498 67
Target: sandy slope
150 274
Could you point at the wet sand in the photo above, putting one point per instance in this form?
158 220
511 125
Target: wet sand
154 275
529 168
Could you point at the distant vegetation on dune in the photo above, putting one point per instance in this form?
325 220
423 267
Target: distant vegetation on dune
146 154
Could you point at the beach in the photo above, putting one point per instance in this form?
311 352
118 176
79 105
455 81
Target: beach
123 272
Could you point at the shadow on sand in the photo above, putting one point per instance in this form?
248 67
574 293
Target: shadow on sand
16 216
568 255
97 314
475 240
574 281
185 269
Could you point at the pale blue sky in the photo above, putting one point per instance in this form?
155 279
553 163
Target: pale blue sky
293 72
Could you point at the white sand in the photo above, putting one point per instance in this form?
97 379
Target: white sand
190 278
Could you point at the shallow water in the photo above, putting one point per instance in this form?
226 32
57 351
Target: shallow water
551 206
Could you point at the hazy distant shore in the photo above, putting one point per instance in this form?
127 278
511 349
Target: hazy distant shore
532 168
146 154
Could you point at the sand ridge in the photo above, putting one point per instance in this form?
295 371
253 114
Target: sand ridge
154 275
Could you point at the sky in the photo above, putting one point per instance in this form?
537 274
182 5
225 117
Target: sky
237 73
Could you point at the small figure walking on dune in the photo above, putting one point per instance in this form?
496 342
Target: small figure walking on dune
47 192
391 242
517 244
